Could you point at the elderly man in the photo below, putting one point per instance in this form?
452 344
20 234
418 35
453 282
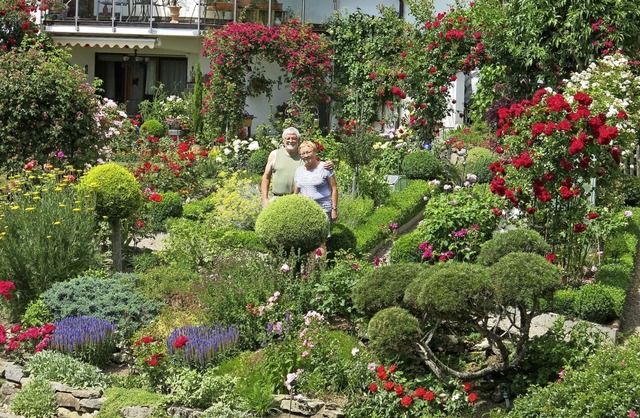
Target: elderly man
281 166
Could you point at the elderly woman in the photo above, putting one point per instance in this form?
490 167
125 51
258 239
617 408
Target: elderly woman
315 181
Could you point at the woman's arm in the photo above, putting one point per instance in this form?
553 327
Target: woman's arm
333 185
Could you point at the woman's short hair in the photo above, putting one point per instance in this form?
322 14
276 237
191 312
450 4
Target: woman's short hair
308 144
290 130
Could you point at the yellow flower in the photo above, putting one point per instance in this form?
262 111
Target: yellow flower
56 223
48 236
29 209
62 205
76 209
16 207
36 198
58 189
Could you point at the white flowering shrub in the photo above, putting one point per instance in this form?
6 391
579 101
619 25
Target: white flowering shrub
615 90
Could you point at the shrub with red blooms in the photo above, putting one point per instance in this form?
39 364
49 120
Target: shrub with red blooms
301 53
551 147
390 394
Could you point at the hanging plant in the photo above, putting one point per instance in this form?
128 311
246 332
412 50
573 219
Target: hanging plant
237 47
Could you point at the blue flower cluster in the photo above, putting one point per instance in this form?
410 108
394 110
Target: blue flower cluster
204 342
90 339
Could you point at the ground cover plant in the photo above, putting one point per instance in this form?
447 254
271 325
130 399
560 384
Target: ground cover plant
240 305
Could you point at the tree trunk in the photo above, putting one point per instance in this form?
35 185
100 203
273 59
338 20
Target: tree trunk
116 244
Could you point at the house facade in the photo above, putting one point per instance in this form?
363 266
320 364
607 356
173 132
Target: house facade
132 45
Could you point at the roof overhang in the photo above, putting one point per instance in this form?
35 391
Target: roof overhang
106 42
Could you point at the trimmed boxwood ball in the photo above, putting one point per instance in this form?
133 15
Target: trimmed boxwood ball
154 128
342 238
598 303
515 240
393 333
422 165
257 161
384 287
117 190
292 222
615 274
522 279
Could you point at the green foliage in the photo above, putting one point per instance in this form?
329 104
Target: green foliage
116 190
236 203
384 286
405 249
36 315
194 244
523 279
400 208
48 234
163 282
280 231
631 188
37 399
422 165
514 240
152 127
606 386
614 275
478 161
454 291
157 212
113 299
47 107
598 303
342 239
197 208
258 161
221 410
193 389
63 368
119 398
620 247
393 333
334 288
354 210
563 302
558 348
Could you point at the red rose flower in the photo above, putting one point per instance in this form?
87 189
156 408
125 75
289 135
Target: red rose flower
392 368
429 396
180 341
388 386
399 390
373 387
472 397
551 258
592 215
406 401
383 375
420 392
467 386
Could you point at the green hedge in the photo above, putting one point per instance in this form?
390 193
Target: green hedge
401 207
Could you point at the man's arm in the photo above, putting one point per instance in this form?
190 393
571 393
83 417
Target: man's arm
266 178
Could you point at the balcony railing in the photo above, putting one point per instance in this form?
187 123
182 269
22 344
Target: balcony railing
198 13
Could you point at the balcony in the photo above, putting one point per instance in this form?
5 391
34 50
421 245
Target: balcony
129 16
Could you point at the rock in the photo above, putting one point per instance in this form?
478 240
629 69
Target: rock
182 412
138 411
330 410
67 413
303 406
91 393
91 404
59 387
13 372
8 390
67 400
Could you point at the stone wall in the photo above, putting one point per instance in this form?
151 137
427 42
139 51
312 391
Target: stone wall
85 403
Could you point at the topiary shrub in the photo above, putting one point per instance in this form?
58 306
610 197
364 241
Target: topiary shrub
117 196
480 168
292 223
354 210
615 275
392 333
598 303
620 248
342 239
169 207
384 287
454 291
153 127
258 161
405 249
563 302
523 279
117 191
423 165
36 399
113 299
515 240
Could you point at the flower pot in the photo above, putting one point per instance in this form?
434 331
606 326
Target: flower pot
221 6
174 12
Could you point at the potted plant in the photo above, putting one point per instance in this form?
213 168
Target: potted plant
174 11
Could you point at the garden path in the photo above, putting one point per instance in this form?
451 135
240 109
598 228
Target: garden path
630 319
